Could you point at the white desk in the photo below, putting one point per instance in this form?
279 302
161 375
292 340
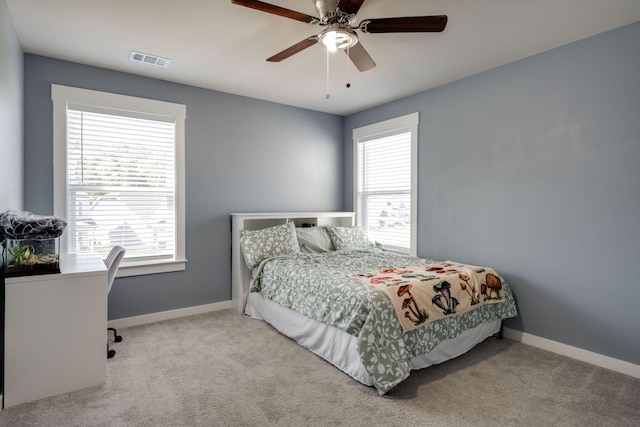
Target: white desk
55 331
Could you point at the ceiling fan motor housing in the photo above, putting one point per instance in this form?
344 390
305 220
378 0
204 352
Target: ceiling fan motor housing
325 7
329 13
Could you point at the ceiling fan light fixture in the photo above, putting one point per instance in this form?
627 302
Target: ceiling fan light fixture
338 38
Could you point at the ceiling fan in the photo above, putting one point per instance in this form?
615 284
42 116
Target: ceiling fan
339 16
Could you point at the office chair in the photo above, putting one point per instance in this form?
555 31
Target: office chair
112 261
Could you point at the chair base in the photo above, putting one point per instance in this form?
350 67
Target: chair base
116 338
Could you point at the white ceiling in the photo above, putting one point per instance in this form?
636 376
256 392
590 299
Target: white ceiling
217 45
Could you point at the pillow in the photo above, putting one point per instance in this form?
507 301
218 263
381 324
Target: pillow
348 237
314 240
258 245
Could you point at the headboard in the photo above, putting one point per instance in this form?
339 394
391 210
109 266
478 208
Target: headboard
240 273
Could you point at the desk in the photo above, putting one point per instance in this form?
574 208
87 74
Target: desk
55 331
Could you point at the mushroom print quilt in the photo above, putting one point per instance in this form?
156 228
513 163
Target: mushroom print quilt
423 293
329 287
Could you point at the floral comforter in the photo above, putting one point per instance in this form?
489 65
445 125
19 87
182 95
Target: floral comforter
317 286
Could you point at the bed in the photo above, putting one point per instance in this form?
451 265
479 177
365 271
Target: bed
317 280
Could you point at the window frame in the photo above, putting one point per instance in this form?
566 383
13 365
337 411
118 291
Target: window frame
62 97
403 124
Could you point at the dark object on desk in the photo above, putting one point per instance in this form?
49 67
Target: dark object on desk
21 225
31 243
28 257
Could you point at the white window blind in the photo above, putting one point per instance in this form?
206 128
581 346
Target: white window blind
386 182
384 190
120 184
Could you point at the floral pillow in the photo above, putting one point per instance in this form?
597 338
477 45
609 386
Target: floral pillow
348 237
258 245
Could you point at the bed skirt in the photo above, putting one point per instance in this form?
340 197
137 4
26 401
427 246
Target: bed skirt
339 348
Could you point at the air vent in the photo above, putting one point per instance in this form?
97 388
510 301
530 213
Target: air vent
149 59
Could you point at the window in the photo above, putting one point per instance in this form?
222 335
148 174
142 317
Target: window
119 177
386 182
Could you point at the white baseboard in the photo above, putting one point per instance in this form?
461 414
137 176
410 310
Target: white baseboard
574 352
167 315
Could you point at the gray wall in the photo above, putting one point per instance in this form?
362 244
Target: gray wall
10 114
533 168
530 168
242 154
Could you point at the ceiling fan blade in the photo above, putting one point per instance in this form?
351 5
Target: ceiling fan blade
350 6
308 42
277 10
409 24
360 57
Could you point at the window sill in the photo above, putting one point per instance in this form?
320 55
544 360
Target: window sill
144 268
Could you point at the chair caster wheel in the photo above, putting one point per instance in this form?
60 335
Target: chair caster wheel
110 354
118 338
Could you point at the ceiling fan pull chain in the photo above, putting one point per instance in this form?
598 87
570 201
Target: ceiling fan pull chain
327 95
347 62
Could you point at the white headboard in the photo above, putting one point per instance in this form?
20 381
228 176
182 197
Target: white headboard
240 273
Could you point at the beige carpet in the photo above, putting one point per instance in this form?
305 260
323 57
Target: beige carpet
224 369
